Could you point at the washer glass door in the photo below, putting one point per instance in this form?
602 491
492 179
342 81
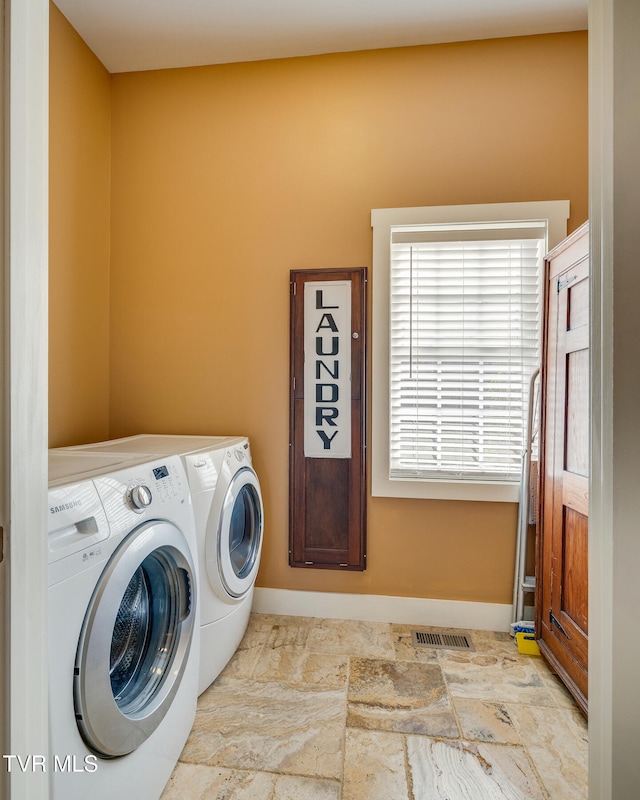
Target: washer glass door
240 533
135 640
146 632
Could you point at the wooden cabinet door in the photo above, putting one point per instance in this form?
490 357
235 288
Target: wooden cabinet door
563 607
327 496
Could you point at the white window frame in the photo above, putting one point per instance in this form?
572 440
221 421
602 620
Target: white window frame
556 213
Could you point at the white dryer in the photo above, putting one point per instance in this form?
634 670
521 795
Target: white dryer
123 624
229 517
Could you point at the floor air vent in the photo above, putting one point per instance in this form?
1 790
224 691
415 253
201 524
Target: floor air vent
445 641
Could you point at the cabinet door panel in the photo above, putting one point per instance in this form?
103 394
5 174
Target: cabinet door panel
577 440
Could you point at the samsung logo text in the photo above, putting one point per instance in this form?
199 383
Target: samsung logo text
65 506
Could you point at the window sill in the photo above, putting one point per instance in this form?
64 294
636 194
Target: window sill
488 491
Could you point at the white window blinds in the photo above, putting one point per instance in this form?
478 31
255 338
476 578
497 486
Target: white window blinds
464 341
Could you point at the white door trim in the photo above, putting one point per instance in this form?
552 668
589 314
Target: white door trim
614 545
26 195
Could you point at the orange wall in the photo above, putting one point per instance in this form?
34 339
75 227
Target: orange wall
79 191
227 177
224 178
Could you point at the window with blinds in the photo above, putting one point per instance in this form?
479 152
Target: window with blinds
455 339
464 340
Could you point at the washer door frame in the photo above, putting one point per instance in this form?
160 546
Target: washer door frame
106 728
236 586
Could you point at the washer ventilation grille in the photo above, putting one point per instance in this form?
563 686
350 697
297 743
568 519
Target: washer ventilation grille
445 641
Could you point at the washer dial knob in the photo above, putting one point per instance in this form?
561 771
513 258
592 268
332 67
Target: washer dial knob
139 497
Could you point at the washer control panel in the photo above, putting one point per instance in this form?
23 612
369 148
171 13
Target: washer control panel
162 483
157 488
168 482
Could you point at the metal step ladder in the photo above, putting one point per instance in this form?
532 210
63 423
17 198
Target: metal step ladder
524 584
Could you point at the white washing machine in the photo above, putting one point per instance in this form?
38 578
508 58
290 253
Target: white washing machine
229 516
123 624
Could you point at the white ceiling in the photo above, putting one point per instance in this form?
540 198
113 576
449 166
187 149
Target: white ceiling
132 35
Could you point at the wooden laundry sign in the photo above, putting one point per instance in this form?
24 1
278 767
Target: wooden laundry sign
327 485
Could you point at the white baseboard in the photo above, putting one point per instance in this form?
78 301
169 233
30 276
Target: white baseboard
380 608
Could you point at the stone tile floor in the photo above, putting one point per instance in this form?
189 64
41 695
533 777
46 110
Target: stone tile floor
322 709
